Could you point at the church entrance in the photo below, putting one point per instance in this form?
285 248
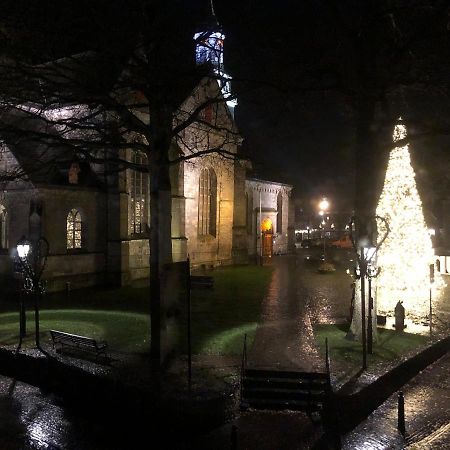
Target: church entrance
267 238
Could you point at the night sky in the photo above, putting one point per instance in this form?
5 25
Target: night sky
299 127
283 56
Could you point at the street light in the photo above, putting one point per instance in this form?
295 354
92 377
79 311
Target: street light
324 204
371 272
23 248
32 272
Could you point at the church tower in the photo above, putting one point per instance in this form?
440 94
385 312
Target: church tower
209 50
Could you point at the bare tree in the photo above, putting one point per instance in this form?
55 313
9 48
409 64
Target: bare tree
99 104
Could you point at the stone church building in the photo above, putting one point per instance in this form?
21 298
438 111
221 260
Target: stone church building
97 223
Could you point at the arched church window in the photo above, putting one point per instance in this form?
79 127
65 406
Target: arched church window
3 229
207 203
279 213
139 195
74 230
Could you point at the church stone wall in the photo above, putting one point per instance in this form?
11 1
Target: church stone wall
210 250
42 211
239 249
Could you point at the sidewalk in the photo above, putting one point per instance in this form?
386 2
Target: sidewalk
427 415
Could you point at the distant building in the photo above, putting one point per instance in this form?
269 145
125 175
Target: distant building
270 218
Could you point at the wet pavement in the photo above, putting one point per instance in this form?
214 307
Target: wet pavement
427 415
299 297
31 419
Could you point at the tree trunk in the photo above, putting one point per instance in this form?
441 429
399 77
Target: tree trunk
160 229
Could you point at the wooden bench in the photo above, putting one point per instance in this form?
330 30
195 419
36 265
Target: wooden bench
61 339
202 281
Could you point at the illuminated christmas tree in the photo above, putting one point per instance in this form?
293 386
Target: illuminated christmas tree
406 254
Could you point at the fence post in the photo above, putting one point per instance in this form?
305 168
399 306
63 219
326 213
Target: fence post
401 413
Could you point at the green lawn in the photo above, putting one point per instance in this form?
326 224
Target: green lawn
220 316
346 355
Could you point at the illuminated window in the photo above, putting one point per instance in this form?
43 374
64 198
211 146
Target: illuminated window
279 213
3 229
207 203
74 226
209 48
139 192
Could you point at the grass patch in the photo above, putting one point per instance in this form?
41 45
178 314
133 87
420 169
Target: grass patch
220 316
347 355
124 331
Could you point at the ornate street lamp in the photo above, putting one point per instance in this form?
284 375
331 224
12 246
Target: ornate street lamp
365 253
371 272
23 248
32 260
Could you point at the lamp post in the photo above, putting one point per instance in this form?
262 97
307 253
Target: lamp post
371 272
23 248
324 204
32 261
365 252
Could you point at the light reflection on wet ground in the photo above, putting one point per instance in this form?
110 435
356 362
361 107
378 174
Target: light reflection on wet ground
299 297
30 419
427 415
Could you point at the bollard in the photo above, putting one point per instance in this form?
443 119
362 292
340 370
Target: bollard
234 437
401 414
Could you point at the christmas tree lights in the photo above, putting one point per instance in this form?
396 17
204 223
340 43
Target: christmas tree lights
406 254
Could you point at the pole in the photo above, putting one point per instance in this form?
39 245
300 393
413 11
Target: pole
324 256
188 302
36 314
369 321
431 317
260 230
23 317
363 269
431 287
401 414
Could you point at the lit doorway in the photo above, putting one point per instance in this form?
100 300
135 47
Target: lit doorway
267 238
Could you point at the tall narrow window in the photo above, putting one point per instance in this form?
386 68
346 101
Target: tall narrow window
279 213
74 227
139 200
207 203
3 229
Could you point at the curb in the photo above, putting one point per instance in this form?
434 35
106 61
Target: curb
354 408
